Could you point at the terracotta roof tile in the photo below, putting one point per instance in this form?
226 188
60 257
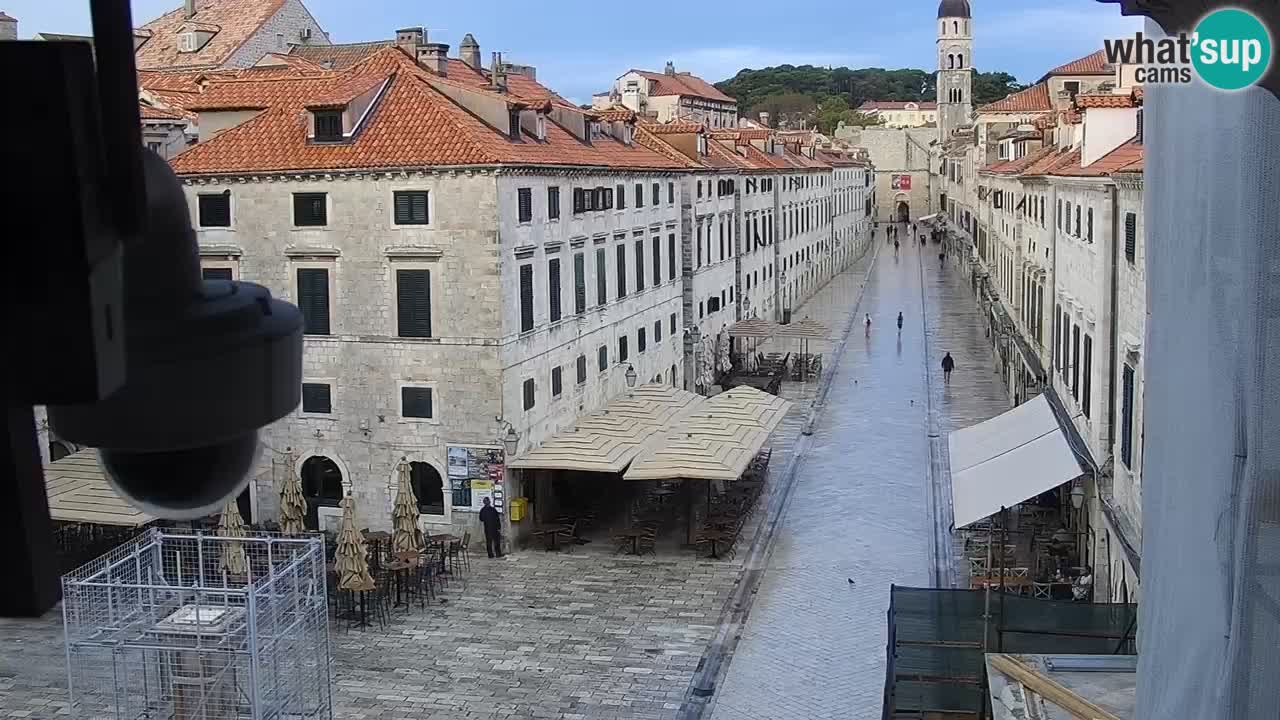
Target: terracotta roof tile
150 112
1094 63
616 114
1052 161
683 84
412 125
1033 99
338 57
897 105
1122 157
678 127
1105 100
234 20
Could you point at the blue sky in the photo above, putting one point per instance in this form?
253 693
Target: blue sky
579 47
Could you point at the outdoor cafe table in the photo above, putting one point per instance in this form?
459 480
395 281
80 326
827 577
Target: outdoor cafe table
400 568
551 536
443 540
712 537
634 535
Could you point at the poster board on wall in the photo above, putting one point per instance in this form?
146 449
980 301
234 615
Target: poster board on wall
475 474
900 182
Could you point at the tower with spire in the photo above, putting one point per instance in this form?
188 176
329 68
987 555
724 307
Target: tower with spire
955 66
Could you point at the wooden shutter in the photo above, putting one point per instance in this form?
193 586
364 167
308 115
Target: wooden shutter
602 358
657 330
553 203
579 284
671 256
602 277
639 195
415 402
413 303
1075 361
218 273
656 195
215 210
621 193
622 349
524 198
526 298
582 369
1089 225
410 207
640 340
622 270
1130 236
310 210
313 300
557 380
657 261
553 288
316 398
579 200
671 192
639 265
529 394
1085 399
1126 417
672 324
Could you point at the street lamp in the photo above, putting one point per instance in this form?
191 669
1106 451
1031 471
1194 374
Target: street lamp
1077 496
511 441
631 376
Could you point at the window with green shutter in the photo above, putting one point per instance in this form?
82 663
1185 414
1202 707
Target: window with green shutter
672 324
529 396
640 340
579 284
657 331
415 402
413 303
410 207
524 201
602 358
602 277
553 288
657 261
557 380
622 270
582 369
316 398
553 203
639 266
526 298
1130 236
313 300
639 195
215 209
310 209
1126 417
671 256
622 349
1086 392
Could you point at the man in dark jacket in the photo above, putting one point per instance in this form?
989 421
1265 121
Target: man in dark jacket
947 366
492 529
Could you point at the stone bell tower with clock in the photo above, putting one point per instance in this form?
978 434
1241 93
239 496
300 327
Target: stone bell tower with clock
955 66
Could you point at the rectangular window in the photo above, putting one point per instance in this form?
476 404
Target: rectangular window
639 266
655 197
639 195
553 289
640 340
622 349
215 210
579 284
657 261
526 297
671 193
602 277
556 380
657 331
1130 236
1089 225
622 270
1075 361
721 255
313 300
328 125
1126 417
553 203
1086 400
1066 344
310 209
621 193
582 369
410 207
217 273
699 254
1077 220
672 323
579 201
602 358
415 402
1059 220
316 398
413 303
529 393
671 256
524 198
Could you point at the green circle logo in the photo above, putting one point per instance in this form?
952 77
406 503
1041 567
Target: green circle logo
1231 49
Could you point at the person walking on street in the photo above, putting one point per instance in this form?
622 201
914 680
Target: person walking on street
868 323
895 248
948 365
492 529
899 322
942 260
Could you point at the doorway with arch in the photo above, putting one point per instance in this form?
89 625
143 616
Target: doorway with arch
428 487
321 487
902 211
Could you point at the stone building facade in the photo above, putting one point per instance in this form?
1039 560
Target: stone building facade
669 96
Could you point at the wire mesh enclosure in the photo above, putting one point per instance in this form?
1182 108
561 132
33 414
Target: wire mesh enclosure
195 626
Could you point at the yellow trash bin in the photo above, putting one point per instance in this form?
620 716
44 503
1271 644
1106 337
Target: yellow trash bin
519 508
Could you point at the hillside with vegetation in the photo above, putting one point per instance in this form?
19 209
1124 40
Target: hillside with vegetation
826 96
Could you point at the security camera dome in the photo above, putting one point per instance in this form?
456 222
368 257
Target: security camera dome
208 364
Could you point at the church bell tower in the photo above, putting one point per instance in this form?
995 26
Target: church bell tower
955 66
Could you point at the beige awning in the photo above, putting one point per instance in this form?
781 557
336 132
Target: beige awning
805 330
608 440
78 491
716 441
753 328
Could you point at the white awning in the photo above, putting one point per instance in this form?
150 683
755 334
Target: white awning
1007 460
79 492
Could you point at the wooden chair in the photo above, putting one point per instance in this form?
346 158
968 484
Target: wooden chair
1042 591
466 549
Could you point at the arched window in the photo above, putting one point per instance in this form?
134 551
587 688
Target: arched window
955 26
428 487
321 487
951 61
960 60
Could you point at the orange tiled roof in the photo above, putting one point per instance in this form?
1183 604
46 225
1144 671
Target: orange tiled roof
1033 99
677 127
412 125
338 57
1105 100
1018 165
897 105
235 21
150 112
1122 157
1049 163
1072 117
683 83
616 114
1094 63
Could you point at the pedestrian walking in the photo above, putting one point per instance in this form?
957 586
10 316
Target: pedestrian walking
492 529
942 260
899 322
868 323
948 364
895 248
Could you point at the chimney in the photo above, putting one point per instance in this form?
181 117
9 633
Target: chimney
408 39
670 69
189 9
435 57
8 27
764 119
498 74
469 52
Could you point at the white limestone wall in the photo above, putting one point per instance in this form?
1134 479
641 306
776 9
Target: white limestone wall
275 35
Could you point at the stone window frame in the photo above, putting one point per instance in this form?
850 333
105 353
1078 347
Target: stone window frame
391 206
313 262
434 386
220 262
332 415
432 265
231 212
